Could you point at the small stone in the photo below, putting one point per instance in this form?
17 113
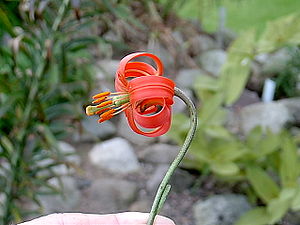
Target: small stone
212 61
83 183
2 202
181 180
156 178
109 67
70 152
271 115
69 199
141 206
109 195
201 43
115 155
293 106
160 153
276 62
69 155
186 78
157 49
220 209
247 98
126 132
100 130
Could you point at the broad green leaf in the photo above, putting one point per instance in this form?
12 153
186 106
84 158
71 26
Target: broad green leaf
280 32
225 150
289 164
206 86
225 169
296 201
209 109
217 131
262 183
235 71
254 136
279 206
268 144
257 216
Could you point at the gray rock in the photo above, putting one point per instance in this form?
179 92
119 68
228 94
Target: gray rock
95 130
292 218
177 35
271 115
201 43
68 154
2 203
108 67
293 106
142 205
160 153
110 195
156 48
156 178
256 79
212 61
276 62
181 180
125 131
247 98
220 209
111 36
115 155
186 77
69 199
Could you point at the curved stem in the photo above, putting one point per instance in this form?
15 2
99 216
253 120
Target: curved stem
164 187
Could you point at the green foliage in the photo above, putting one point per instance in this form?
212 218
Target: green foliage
241 14
235 72
287 79
45 73
280 32
267 163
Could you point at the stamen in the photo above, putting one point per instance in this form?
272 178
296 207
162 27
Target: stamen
104 104
104 119
103 94
107 114
99 100
121 108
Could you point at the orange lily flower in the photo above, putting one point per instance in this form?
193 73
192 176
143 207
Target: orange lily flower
142 92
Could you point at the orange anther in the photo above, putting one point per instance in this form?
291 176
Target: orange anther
107 114
104 104
99 100
104 119
103 94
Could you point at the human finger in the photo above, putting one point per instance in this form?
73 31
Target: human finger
127 218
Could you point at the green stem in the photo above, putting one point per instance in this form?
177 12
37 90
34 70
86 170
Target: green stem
164 186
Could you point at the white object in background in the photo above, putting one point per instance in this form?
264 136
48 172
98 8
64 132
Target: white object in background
269 90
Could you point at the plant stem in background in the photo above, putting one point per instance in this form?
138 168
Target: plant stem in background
164 186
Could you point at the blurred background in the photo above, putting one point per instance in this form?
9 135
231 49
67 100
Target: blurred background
238 60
